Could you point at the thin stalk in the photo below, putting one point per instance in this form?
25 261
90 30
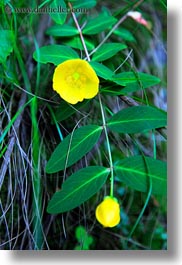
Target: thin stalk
80 32
56 123
36 183
122 19
37 190
22 68
101 107
108 147
143 209
154 145
13 119
150 183
150 187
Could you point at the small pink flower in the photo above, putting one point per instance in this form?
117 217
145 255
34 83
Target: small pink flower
137 16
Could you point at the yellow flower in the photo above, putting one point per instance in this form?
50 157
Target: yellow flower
108 212
75 80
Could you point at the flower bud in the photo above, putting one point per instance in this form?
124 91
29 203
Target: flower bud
108 212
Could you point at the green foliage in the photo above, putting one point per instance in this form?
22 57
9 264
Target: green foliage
58 17
98 24
83 3
136 172
73 147
85 240
143 80
55 54
102 70
124 34
77 44
65 110
94 159
78 188
107 50
6 44
14 118
137 119
62 31
128 82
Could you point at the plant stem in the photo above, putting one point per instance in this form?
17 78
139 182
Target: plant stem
101 106
80 32
146 201
37 190
122 19
108 146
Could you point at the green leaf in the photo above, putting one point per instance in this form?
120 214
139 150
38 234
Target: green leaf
137 119
141 80
114 90
136 172
73 147
65 110
80 233
58 14
77 44
129 88
130 82
62 31
83 238
83 4
6 44
55 54
107 50
78 188
124 34
101 70
99 24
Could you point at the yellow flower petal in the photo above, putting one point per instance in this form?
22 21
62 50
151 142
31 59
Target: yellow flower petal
108 212
75 80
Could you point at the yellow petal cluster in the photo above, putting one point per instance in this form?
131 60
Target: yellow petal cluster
75 80
108 212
